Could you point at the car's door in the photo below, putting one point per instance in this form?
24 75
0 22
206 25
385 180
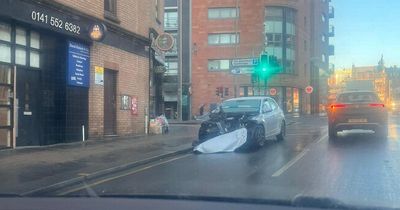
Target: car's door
267 114
275 117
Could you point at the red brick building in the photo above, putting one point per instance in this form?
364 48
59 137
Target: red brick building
67 79
296 32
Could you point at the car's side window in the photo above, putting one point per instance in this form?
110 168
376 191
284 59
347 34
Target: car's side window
266 106
273 104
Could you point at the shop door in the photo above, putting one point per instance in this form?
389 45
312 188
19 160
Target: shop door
110 102
28 94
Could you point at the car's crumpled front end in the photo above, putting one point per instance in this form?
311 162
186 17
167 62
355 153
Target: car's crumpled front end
220 123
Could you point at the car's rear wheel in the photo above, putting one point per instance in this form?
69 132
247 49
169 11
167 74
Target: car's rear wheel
282 134
332 131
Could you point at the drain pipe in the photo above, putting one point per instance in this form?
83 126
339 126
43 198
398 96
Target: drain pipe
83 133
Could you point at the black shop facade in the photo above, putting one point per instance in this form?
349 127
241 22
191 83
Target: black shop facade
44 73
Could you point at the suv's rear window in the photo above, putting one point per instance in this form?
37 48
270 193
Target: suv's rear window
358 97
244 105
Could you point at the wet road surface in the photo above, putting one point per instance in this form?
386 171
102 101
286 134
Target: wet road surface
357 168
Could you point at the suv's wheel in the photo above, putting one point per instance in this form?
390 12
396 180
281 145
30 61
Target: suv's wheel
332 131
258 136
282 134
383 132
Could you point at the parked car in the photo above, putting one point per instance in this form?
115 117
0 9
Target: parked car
358 110
261 116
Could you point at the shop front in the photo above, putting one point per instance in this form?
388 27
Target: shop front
44 75
288 98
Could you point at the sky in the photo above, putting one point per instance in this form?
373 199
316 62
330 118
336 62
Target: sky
364 30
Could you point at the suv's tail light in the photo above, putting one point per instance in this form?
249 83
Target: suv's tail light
377 105
334 106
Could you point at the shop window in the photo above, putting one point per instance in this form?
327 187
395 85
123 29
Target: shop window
20 56
5 75
34 59
20 36
35 40
5 32
5 53
241 94
4 94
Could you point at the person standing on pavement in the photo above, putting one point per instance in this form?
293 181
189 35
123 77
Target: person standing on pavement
201 109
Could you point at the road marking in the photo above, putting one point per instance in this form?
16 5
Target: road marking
290 163
119 176
322 138
298 157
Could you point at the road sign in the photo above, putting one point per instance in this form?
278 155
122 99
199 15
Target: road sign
272 91
245 62
235 71
309 89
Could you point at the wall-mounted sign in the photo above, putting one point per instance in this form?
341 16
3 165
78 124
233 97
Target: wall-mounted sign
78 64
97 32
134 106
309 89
98 75
273 91
126 102
165 42
245 62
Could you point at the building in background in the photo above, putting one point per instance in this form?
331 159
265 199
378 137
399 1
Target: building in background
229 35
177 78
79 69
377 78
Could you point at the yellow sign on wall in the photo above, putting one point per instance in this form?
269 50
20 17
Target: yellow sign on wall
99 75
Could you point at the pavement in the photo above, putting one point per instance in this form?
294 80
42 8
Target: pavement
27 171
357 169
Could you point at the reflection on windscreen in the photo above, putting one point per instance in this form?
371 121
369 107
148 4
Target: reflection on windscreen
241 106
358 98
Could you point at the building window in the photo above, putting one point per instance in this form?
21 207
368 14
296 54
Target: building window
280 35
110 10
323 58
323 17
223 13
223 39
323 38
305 45
172 68
274 40
5 43
5 53
218 65
20 50
174 50
170 20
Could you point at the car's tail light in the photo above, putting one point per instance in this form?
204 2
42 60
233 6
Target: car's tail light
377 105
334 106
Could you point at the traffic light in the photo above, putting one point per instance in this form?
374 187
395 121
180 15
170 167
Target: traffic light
226 93
268 65
217 91
264 63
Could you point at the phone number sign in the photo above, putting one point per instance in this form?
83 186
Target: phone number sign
78 73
